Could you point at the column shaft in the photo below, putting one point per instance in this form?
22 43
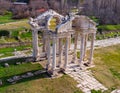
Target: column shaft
66 52
60 52
85 44
35 45
54 55
48 54
92 48
75 47
82 48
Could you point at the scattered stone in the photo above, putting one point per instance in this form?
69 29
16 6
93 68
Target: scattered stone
116 91
0 82
30 74
24 76
39 72
6 65
16 78
23 63
10 80
18 63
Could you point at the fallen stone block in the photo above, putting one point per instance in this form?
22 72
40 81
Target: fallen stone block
30 74
6 65
10 80
1 83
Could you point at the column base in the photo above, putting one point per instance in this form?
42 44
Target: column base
36 59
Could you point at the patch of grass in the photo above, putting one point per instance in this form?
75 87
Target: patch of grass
9 51
6 18
16 35
115 73
94 91
19 48
109 27
17 70
107 64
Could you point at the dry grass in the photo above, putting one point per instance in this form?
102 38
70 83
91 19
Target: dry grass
15 25
106 59
65 84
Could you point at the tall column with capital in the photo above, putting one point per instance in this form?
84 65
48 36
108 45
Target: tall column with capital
92 48
54 55
35 45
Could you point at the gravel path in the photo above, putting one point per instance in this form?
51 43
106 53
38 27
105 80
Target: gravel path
101 43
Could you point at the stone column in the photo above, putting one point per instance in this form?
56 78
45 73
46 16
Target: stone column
85 44
69 42
35 45
57 46
48 54
82 48
66 52
54 55
75 47
43 42
92 48
60 52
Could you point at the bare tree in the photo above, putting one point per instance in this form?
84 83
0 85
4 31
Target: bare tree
20 11
36 5
108 11
4 6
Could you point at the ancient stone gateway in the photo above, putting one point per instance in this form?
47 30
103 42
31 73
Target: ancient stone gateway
60 37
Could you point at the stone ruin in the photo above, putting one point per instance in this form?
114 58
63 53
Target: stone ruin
54 39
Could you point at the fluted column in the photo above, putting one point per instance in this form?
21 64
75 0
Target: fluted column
43 42
85 45
75 47
54 55
69 42
66 52
82 48
57 46
48 54
92 48
60 52
35 45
